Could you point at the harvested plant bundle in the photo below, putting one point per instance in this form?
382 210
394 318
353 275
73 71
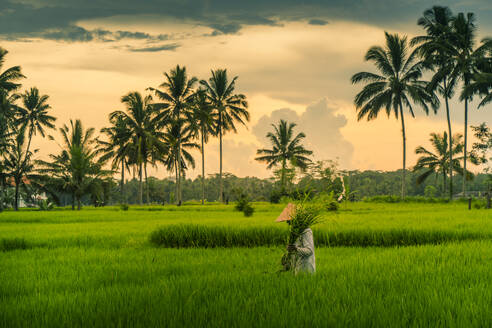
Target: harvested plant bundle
304 216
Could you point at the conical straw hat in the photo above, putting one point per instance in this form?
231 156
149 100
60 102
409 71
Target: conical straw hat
286 214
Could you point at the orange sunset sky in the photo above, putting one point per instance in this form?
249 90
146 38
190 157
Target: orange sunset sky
294 61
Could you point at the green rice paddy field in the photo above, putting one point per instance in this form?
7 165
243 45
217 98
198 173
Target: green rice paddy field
378 265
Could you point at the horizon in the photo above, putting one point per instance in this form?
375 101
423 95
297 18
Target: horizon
293 64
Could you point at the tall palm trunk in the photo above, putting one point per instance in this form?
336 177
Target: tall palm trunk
2 194
282 175
178 196
464 148
221 186
16 200
450 137
140 191
203 168
147 196
444 181
176 186
403 182
122 186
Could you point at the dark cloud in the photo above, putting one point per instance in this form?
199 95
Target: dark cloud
321 125
58 19
317 22
166 47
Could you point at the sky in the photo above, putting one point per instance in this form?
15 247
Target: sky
293 59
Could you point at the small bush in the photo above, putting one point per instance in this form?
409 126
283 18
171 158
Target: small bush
332 206
10 244
45 205
241 204
124 207
248 210
275 196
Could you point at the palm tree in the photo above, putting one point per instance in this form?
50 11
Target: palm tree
178 157
434 47
285 147
230 108
203 120
17 162
118 147
76 169
34 114
437 161
481 84
467 60
177 95
397 84
9 77
139 119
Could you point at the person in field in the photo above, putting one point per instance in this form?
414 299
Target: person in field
300 256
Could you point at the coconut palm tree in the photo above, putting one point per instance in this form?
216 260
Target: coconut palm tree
437 22
286 147
398 84
140 121
9 77
17 162
203 121
117 148
467 61
177 95
229 106
77 168
34 115
178 157
437 161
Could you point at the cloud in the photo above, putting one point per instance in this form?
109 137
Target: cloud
322 126
315 21
73 33
57 19
165 47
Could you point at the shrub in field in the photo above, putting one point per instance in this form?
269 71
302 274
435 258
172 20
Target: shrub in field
10 244
275 196
45 205
327 201
408 199
124 207
248 210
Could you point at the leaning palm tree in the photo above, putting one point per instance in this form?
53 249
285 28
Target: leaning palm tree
286 147
437 161
467 61
10 76
203 121
230 108
138 118
177 95
397 85
434 48
34 114
117 147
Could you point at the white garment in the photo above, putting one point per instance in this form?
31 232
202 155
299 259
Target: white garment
304 260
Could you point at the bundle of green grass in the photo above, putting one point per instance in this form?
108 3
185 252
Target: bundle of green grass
303 216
